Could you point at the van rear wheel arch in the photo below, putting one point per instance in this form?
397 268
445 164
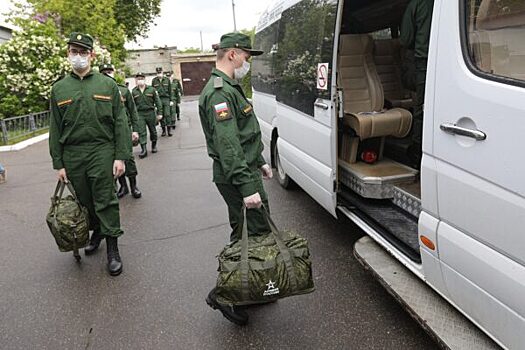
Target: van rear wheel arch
284 180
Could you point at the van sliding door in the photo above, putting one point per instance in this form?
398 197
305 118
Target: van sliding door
305 111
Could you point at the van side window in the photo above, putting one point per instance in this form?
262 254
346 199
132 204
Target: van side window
496 37
263 72
306 38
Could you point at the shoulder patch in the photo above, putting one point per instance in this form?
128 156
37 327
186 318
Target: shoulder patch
222 112
218 82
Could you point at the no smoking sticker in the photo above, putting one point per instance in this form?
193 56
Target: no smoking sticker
322 76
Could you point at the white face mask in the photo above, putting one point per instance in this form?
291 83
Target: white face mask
160 75
78 62
241 72
141 82
112 74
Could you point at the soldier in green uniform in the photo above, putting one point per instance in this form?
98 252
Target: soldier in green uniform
89 143
147 99
177 94
132 120
415 35
176 99
234 143
163 86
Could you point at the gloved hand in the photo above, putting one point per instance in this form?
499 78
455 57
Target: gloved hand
171 103
266 171
134 136
159 117
253 201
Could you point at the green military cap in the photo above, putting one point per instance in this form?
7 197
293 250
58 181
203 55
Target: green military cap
80 39
238 41
105 66
140 75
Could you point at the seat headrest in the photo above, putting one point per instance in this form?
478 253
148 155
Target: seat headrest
386 47
356 44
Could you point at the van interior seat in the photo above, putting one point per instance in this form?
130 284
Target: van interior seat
363 92
387 58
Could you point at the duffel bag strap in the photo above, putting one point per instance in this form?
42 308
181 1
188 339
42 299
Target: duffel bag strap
283 249
245 267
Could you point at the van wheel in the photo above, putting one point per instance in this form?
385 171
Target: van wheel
282 177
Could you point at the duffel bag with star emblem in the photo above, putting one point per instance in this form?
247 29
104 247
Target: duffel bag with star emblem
262 269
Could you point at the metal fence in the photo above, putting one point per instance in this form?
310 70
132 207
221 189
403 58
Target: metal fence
17 129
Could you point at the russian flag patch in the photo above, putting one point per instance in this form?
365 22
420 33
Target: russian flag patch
222 112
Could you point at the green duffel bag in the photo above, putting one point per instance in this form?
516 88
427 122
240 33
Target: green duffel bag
261 269
68 220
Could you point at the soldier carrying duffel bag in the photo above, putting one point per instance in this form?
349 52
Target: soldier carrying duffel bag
260 269
68 220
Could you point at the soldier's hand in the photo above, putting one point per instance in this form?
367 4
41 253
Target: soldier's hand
159 117
171 103
134 136
118 168
266 171
62 176
253 201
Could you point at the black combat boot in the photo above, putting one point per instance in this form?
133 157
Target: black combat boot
154 147
94 243
169 131
163 131
123 190
135 192
144 151
114 261
234 314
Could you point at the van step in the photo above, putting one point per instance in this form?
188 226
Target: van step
441 320
375 180
395 225
407 197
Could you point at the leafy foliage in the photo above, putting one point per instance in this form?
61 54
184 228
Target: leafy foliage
136 16
29 63
95 17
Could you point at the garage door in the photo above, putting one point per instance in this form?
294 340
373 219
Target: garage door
195 75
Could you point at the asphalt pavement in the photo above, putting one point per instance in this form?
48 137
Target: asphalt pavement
172 236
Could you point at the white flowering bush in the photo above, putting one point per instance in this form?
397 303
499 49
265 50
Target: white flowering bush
30 62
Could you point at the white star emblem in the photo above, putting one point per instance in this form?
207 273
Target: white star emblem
270 285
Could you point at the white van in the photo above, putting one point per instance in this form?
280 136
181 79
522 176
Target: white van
328 93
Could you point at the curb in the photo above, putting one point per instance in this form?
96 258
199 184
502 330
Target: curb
21 145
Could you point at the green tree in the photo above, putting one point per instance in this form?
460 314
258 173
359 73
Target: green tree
190 50
136 16
95 17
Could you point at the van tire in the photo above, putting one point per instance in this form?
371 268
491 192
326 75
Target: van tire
284 180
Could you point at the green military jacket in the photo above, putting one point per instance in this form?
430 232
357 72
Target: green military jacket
177 90
147 100
163 87
415 27
86 111
232 132
131 109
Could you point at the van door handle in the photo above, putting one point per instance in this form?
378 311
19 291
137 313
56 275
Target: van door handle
458 130
321 105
